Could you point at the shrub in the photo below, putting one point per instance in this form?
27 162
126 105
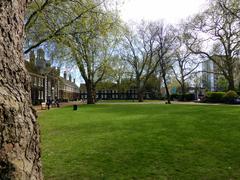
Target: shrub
230 96
238 92
189 97
185 97
37 102
161 97
175 96
214 97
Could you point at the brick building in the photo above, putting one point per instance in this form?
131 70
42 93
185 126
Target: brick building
46 82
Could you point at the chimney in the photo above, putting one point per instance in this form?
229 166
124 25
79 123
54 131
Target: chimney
74 80
58 71
70 78
40 60
65 75
32 57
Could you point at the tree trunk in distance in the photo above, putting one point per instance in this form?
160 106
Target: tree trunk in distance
166 88
183 91
90 93
231 85
19 130
140 96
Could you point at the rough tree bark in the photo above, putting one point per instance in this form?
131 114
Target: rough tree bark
19 131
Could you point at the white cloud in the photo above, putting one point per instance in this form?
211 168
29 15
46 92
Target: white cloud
172 11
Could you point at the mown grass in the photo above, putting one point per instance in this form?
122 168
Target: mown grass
141 142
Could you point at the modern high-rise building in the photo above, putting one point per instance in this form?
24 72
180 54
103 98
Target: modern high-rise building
209 76
212 78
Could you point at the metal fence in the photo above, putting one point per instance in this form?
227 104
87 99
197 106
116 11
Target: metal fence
114 95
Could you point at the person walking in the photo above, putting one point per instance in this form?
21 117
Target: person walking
48 103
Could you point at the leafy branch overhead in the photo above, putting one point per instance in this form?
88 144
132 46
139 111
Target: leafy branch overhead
48 20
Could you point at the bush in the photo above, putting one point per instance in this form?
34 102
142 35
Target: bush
161 98
189 97
230 96
215 97
185 97
175 96
37 102
238 92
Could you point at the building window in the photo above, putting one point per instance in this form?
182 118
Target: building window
39 95
35 81
32 80
40 82
42 95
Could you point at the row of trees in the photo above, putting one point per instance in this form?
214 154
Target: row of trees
91 34
92 37
213 34
45 22
83 33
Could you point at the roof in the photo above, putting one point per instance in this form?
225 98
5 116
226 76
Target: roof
69 83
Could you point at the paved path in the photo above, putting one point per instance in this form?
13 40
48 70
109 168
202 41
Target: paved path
172 102
39 109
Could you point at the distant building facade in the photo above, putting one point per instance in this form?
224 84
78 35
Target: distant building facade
209 75
46 83
68 89
113 94
212 76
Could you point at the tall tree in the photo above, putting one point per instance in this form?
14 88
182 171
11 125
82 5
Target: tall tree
92 50
215 34
19 130
120 73
166 44
185 63
139 53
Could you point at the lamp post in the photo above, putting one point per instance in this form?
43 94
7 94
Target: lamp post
52 92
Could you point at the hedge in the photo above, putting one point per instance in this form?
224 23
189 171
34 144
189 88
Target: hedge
185 97
230 96
215 97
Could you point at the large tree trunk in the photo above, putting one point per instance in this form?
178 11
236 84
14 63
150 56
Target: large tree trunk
140 96
231 85
230 73
140 90
19 130
90 93
230 80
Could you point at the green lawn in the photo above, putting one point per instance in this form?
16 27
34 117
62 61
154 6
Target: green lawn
141 142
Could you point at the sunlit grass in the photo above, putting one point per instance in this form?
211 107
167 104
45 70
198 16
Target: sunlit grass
141 142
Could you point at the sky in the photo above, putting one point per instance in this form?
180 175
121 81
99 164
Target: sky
171 11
